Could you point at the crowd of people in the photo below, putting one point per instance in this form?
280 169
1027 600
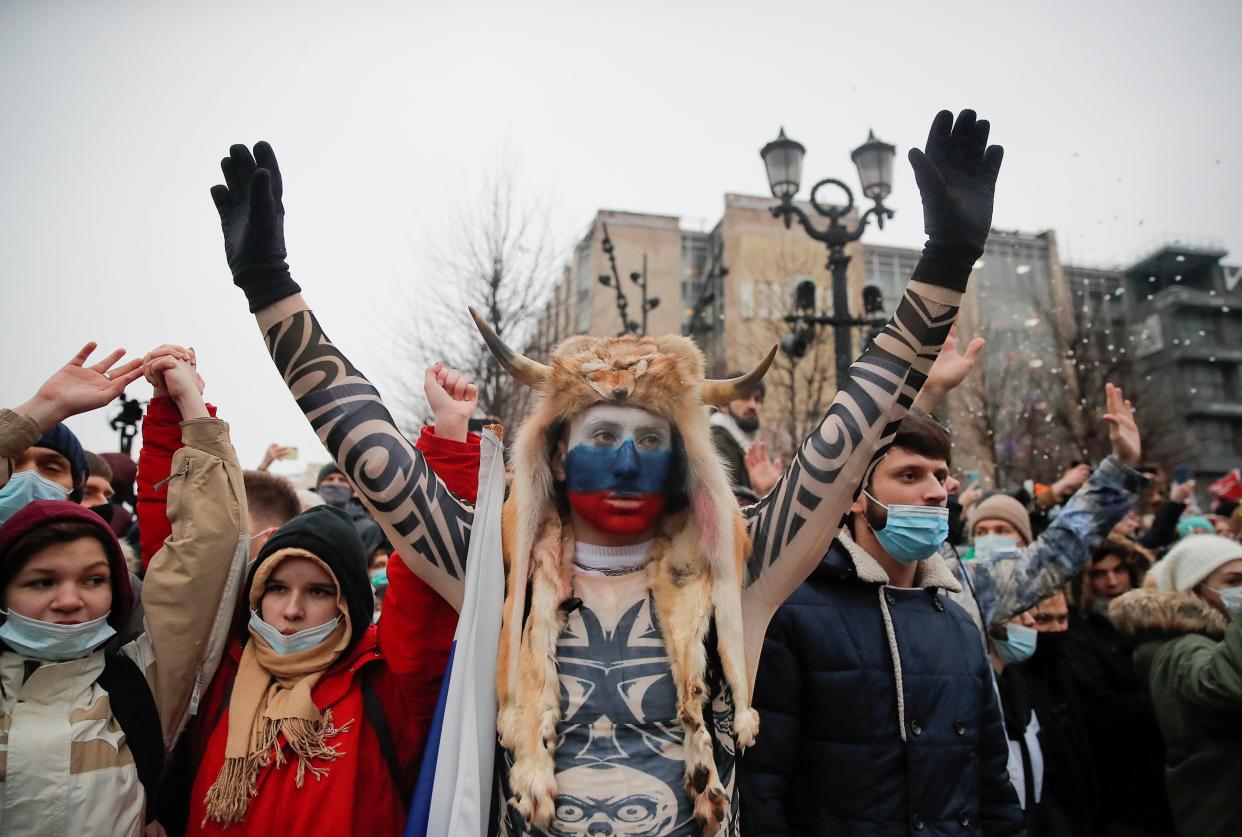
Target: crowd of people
693 640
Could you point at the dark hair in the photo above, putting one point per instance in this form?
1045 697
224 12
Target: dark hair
759 390
97 466
40 538
923 435
678 489
270 498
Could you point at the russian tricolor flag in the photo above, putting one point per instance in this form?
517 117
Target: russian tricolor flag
453 796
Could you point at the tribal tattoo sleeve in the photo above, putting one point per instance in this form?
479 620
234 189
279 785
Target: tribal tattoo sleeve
792 528
427 524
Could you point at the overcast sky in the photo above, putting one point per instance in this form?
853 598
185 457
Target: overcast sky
1120 122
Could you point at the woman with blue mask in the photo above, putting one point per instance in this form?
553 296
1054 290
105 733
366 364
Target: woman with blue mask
87 705
1186 625
319 692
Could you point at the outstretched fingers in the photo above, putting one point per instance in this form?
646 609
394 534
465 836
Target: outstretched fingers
265 157
80 358
106 364
938 136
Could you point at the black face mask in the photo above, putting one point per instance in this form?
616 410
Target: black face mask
105 510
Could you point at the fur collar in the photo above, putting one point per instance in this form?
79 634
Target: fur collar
931 572
1145 614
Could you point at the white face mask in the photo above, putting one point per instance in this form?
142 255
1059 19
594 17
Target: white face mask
294 643
989 546
54 643
25 487
1231 598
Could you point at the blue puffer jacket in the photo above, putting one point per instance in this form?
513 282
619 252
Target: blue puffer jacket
878 713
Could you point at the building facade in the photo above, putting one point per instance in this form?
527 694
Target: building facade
1168 329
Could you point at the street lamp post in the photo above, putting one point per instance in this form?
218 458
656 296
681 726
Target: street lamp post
874 161
647 305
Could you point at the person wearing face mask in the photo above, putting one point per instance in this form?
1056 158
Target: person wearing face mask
87 707
52 468
1185 623
314 731
871 663
637 591
425 621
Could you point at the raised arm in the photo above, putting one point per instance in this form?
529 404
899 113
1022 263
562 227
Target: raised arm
793 526
1009 583
428 526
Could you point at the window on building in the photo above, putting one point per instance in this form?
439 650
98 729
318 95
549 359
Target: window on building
1219 438
1204 380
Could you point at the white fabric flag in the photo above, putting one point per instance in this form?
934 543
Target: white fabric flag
461 796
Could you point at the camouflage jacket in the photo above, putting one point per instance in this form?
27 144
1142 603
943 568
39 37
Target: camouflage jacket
999 587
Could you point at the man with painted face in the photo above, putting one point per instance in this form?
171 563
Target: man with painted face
637 591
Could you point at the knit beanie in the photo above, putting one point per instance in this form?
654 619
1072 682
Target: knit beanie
62 440
325 471
329 535
1191 560
1188 524
124 473
39 513
1002 507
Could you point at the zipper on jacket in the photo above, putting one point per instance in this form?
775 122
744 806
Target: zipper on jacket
184 472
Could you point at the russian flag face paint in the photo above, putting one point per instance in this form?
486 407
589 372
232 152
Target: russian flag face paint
616 468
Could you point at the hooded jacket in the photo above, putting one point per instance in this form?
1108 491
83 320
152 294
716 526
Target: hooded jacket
1191 660
879 712
65 768
404 655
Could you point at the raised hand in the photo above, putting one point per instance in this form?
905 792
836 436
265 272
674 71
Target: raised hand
170 349
949 370
252 216
178 378
956 176
274 452
1123 432
452 399
1071 480
77 388
764 473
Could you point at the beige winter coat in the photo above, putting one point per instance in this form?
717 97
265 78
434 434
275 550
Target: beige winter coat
65 768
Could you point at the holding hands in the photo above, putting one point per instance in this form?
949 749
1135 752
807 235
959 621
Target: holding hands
172 371
77 388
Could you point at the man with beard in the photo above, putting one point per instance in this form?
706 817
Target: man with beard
735 429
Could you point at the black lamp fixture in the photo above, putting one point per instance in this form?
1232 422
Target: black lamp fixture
874 160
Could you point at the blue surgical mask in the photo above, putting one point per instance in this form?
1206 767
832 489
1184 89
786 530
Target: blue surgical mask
912 533
294 643
989 546
55 643
1231 598
1019 646
24 487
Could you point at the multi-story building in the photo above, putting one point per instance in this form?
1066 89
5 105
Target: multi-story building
1168 329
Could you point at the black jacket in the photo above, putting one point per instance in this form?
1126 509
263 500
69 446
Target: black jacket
1124 738
830 758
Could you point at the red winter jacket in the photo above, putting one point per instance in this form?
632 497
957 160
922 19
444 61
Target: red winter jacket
405 656
161 438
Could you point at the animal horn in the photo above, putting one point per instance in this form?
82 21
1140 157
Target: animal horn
719 393
518 365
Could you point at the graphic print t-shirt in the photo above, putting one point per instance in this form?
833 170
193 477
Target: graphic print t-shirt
619 757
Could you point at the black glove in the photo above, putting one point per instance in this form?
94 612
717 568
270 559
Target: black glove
253 219
956 177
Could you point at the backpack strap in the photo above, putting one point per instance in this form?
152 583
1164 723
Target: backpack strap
135 711
374 710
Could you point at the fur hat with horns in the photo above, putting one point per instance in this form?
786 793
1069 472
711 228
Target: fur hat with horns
695 567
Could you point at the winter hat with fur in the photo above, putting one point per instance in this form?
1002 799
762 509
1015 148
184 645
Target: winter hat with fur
1193 559
695 565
